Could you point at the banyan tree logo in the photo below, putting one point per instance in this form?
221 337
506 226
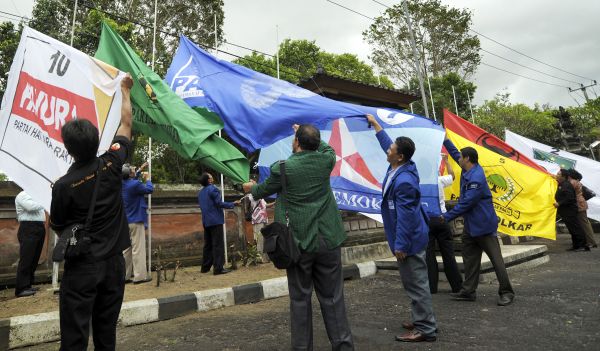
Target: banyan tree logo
503 186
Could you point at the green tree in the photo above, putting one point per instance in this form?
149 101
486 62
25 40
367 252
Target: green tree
442 38
586 120
300 59
9 41
441 89
536 123
195 19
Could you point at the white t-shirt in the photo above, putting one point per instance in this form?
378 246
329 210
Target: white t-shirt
444 182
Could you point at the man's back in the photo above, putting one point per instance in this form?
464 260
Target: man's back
72 194
310 203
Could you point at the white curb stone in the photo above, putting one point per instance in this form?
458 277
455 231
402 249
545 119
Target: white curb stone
367 268
215 298
34 329
276 287
138 312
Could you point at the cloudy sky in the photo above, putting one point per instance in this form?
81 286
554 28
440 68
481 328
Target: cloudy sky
560 33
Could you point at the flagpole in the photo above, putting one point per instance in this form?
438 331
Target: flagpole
411 107
222 178
277 49
455 105
470 107
431 97
73 23
150 154
416 57
56 265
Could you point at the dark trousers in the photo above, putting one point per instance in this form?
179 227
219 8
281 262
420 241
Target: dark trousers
31 237
91 290
323 269
472 249
576 231
213 253
441 233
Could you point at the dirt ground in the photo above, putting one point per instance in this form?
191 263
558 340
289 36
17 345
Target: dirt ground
188 279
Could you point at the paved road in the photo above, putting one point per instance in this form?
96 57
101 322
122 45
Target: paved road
557 308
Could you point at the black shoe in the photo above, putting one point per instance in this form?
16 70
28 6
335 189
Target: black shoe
26 292
143 281
222 271
506 299
462 296
580 249
34 288
204 270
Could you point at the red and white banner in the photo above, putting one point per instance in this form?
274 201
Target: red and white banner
49 84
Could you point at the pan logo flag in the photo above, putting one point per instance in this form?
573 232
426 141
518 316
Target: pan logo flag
523 196
49 85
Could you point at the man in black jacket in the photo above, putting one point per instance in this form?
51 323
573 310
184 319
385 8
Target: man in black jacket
566 204
93 284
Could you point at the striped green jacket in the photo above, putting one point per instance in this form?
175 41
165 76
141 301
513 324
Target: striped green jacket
311 206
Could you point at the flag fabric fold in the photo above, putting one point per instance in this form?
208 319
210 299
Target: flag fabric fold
553 159
159 113
523 195
257 110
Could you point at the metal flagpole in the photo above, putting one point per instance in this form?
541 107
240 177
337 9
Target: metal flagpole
56 265
73 23
411 107
416 57
455 106
277 49
431 97
222 179
150 154
470 107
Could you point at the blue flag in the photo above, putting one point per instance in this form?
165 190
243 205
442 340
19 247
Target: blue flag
258 111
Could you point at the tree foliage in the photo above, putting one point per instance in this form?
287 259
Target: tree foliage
586 120
9 41
442 39
300 59
536 123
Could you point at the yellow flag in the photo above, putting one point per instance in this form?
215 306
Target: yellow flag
523 196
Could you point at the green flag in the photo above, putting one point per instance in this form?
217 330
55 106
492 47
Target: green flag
159 113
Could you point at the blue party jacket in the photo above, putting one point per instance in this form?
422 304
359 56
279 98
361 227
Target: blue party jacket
134 201
211 205
404 220
475 203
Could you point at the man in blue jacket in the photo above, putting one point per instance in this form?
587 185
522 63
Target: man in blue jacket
211 205
407 232
134 201
476 207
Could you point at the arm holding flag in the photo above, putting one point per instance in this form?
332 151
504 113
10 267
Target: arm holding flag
125 127
452 150
384 139
270 186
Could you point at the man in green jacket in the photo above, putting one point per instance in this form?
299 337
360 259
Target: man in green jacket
318 231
